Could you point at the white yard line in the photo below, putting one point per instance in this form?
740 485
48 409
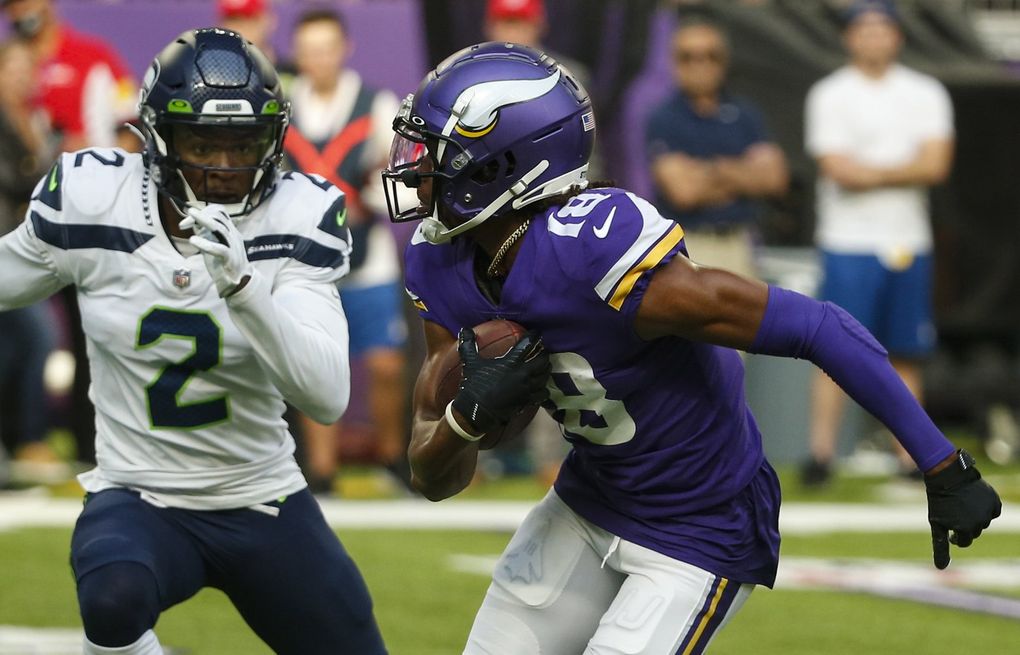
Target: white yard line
26 510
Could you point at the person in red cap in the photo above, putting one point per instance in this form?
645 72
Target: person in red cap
252 19
516 21
524 22
83 85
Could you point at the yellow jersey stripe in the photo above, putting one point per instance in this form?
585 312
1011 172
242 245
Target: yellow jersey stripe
654 256
420 305
708 616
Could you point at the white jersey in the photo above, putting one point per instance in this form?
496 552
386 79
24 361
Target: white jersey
882 123
189 388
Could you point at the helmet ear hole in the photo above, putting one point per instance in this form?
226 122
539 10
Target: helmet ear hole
487 173
511 163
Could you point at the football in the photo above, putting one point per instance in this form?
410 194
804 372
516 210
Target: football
494 338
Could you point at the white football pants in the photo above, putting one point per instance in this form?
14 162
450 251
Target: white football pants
566 587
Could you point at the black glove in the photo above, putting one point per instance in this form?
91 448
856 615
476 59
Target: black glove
958 500
492 391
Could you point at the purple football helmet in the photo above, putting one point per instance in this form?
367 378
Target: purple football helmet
501 126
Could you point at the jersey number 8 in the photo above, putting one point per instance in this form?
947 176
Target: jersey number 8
582 407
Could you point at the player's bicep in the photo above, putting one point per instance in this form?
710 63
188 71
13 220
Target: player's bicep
702 304
438 340
314 304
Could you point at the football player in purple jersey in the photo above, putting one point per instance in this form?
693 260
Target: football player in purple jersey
665 514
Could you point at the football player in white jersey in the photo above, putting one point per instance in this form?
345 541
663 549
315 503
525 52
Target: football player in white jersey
206 279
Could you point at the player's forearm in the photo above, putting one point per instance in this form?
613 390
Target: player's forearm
797 326
308 365
442 463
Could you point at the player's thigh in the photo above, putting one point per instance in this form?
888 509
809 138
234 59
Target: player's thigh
549 587
910 329
116 525
664 607
295 584
375 317
855 283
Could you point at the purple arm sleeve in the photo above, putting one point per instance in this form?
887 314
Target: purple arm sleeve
826 335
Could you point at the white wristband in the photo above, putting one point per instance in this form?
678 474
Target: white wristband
461 432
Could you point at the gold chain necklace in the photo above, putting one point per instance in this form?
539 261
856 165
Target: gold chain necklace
514 237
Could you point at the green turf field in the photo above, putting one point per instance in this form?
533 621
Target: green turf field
425 607
425 604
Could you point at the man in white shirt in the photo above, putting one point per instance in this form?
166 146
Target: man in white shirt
881 134
341 131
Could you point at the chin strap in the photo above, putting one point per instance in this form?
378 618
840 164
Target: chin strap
236 210
435 232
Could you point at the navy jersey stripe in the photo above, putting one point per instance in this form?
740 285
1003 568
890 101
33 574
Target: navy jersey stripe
73 237
334 221
303 249
50 194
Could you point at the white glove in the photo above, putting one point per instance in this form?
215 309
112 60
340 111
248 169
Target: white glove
222 247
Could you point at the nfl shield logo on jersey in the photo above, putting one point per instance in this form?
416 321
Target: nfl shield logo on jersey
182 278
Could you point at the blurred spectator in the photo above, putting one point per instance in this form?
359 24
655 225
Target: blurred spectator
256 22
25 151
252 19
83 85
524 22
86 92
881 134
710 154
340 129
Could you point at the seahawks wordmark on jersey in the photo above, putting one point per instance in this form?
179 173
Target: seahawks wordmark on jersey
665 451
185 412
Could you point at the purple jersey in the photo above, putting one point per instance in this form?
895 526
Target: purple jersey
665 451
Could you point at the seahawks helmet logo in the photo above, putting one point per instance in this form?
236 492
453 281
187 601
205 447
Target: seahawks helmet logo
482 102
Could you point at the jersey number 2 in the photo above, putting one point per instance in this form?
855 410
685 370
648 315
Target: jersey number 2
164 393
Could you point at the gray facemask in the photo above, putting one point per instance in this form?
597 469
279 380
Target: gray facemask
28 26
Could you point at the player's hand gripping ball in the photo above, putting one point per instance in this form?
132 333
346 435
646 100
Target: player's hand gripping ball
496 377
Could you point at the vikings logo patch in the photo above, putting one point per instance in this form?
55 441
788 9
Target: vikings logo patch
482 102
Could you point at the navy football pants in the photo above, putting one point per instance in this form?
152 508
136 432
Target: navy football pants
288 575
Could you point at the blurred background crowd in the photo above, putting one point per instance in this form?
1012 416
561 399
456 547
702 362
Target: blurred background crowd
861 152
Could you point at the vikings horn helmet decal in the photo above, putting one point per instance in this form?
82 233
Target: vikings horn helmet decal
484 101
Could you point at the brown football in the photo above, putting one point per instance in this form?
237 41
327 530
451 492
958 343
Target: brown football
494 338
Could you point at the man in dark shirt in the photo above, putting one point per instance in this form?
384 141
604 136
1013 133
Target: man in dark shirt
709 153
